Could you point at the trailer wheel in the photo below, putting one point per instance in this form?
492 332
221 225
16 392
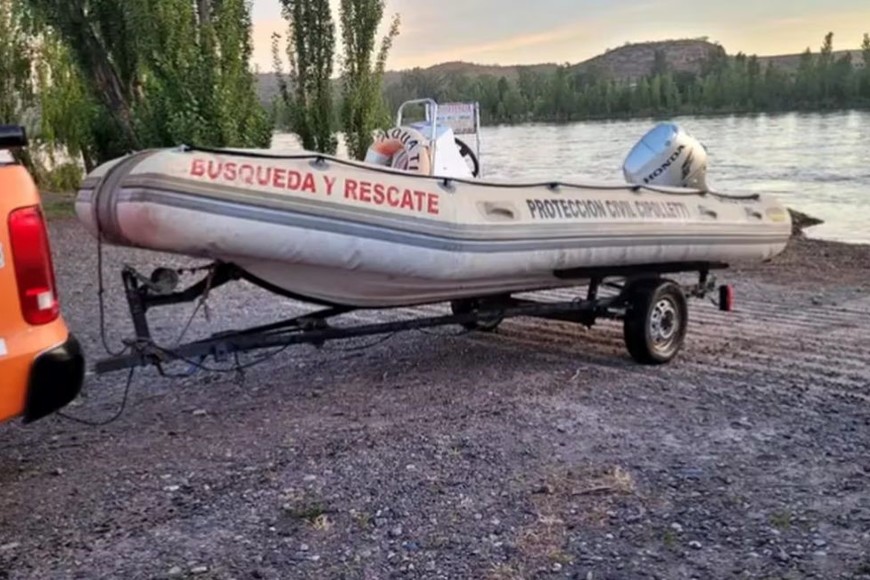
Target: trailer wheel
656 321
485 323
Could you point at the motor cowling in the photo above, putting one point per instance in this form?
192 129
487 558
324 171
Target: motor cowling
667 156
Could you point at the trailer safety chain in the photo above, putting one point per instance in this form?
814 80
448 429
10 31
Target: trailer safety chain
427 332
100 284
238 369
111 419
102 300
372 344
202 302
150 349
128 346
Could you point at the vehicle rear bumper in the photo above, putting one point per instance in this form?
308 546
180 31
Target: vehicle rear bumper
55 379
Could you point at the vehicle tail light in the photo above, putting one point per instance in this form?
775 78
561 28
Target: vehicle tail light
34 270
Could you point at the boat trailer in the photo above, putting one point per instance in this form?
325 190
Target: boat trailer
653 310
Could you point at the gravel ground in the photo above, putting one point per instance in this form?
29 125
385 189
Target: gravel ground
548 455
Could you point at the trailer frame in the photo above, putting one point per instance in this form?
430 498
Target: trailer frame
644 301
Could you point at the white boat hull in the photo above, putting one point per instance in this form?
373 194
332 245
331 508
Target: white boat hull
347 233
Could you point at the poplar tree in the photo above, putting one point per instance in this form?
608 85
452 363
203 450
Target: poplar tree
865 74
363 107
310 49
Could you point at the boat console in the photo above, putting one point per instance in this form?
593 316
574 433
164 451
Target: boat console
438 132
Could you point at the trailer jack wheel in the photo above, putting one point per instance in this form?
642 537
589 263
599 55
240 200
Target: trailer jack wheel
656 321
486 323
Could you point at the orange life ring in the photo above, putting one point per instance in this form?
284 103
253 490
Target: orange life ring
401 148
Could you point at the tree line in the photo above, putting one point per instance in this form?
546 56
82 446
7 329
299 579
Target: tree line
725 84
93 80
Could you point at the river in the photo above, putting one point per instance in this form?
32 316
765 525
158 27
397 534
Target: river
816 163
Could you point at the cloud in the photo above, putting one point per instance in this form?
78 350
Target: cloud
507 45
788 21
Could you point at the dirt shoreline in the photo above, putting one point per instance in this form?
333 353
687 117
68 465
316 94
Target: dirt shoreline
809 262
540 451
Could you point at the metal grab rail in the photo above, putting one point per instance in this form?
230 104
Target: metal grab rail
431 105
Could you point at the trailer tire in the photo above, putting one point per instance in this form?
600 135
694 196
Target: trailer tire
655 321
485 324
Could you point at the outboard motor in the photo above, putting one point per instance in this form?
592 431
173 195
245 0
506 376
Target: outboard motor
667 156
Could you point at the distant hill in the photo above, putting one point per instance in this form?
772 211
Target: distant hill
790 62
631 61
626 62
471 69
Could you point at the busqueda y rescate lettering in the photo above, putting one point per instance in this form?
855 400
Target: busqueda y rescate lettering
551 209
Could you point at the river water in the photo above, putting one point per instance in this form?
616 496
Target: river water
815 163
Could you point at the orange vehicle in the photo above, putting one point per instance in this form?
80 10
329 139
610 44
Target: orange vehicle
41 362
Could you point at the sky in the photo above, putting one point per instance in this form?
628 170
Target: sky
528 32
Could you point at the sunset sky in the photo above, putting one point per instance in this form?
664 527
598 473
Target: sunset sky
514 32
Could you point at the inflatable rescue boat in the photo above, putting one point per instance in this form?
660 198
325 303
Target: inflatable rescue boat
414 224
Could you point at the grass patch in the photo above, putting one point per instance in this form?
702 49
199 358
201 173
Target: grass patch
669 539
505 572
781 520
544 541
311 512
363 519
58 205
299 509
